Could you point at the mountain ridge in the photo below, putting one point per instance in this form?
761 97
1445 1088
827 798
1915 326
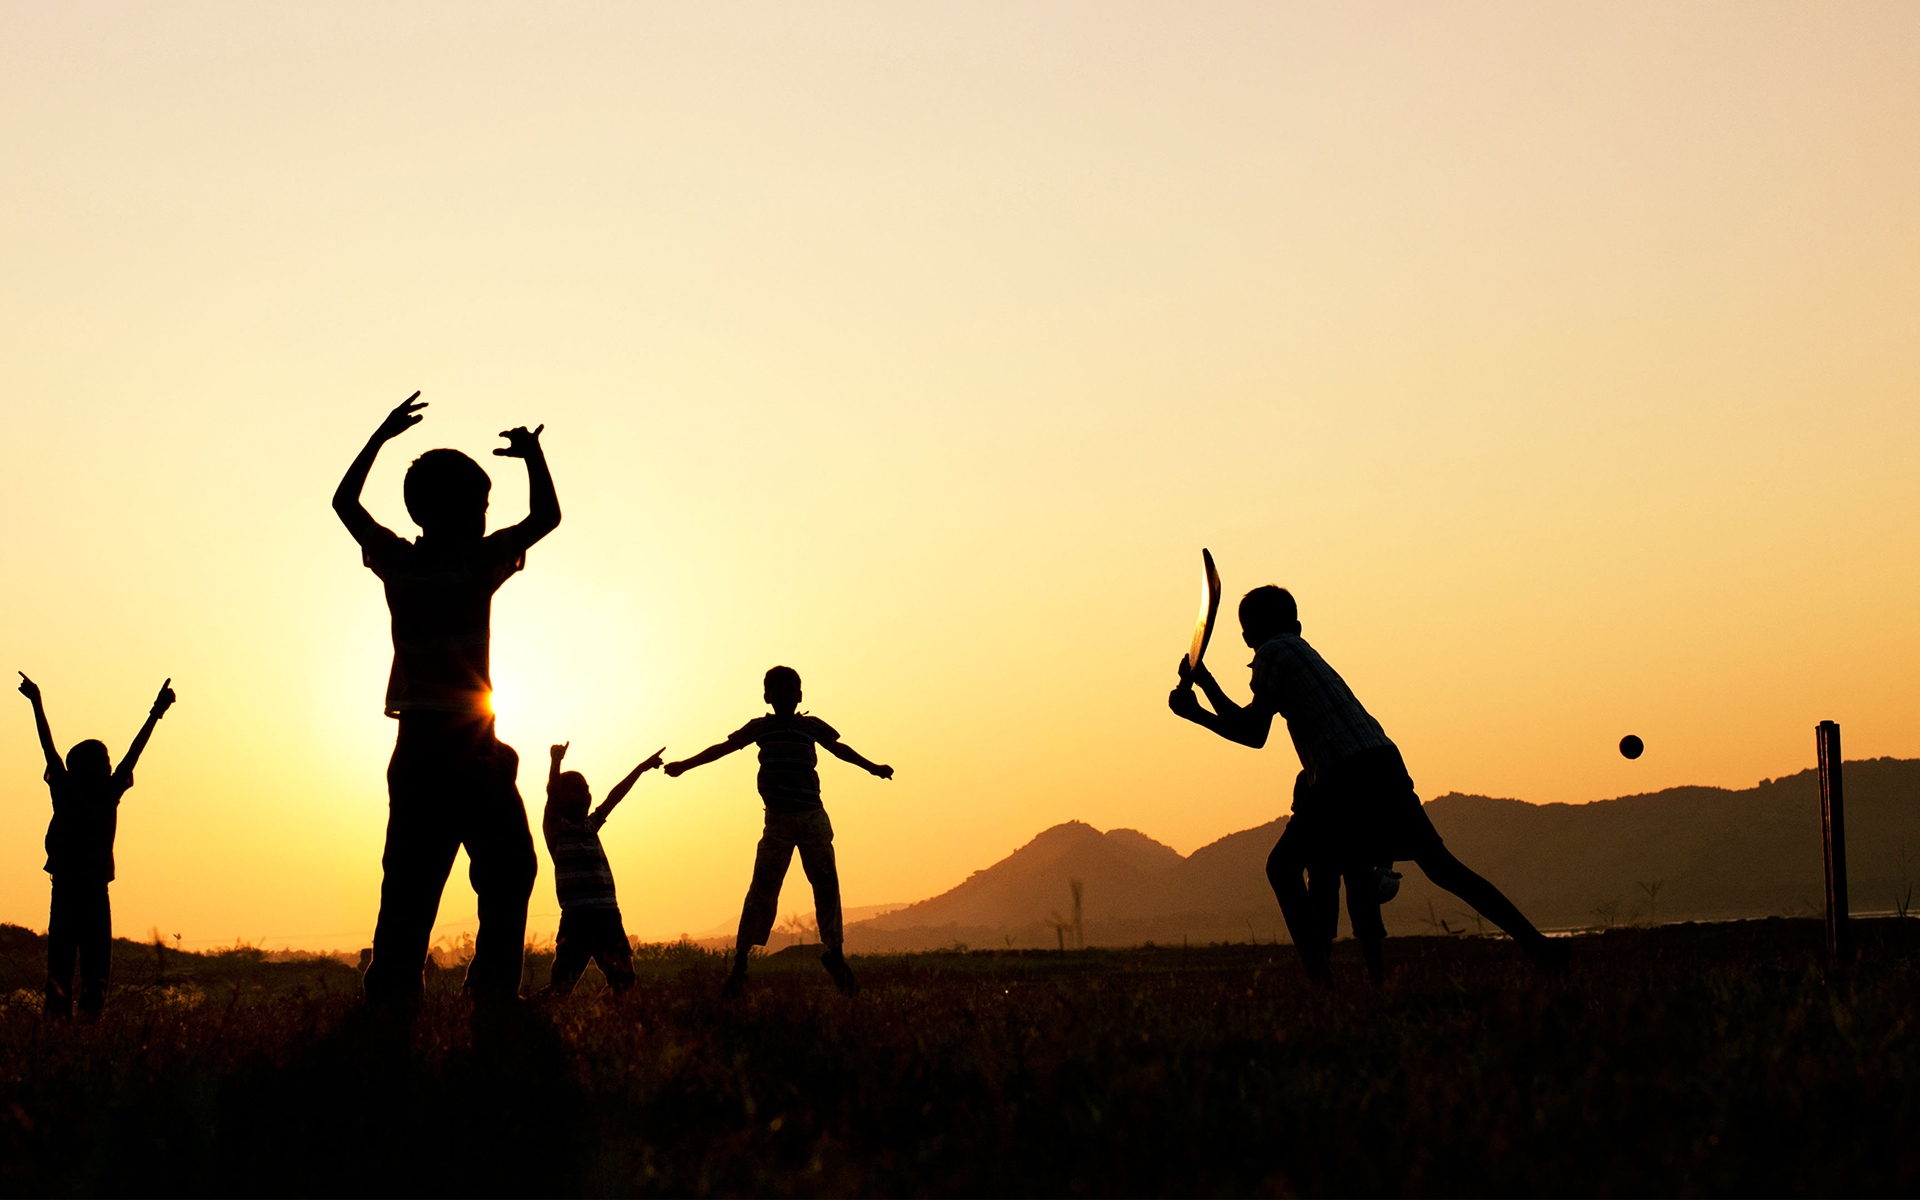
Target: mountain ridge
1684 853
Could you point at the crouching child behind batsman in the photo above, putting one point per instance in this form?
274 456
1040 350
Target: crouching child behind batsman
590 926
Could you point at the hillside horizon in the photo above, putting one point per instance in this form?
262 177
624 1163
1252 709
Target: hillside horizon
1678 854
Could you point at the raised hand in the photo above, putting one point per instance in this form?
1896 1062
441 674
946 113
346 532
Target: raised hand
675 770
883 771
559 752
164 700
1196 676
29 688
520 443
658 759
404 417
1184 703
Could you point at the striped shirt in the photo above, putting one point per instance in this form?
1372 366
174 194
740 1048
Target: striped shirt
788 781
580 871
1325 721
441 598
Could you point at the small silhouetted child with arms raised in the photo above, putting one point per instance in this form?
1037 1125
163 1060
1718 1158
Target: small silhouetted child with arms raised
796 820
86 811
590 928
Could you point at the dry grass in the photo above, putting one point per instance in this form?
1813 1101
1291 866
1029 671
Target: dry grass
1682 1060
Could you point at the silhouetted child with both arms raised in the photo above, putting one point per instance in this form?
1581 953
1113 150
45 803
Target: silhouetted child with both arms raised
790 788
590 927
451 781
86 813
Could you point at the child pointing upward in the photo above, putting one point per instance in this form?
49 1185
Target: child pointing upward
86 813
790 788
590 927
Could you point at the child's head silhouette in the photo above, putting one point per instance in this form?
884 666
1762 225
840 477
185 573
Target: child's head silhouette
446 494
1266 613
783 688
89 758
570 793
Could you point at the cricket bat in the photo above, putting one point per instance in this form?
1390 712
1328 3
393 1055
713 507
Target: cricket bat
1209 608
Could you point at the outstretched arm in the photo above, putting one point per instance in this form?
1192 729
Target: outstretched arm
1247 725
621 789
161 704
31 691
846 753
543 503
1216 695
554 755
712 753
346 497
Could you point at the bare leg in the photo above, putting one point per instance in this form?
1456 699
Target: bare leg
64 923
1285 868
614 955
1448 872
1363 909
1323 893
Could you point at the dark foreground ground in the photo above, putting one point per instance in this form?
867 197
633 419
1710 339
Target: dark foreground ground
1682 1060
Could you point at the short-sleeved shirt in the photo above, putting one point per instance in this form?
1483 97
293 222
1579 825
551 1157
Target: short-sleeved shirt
581 873
441 600
86 814
1324 719
788 781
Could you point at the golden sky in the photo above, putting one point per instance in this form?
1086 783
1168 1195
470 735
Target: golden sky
1561 358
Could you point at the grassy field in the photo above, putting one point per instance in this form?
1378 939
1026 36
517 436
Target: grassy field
1681 1060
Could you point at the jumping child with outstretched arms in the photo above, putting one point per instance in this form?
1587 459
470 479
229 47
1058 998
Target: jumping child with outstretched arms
790 788
86 814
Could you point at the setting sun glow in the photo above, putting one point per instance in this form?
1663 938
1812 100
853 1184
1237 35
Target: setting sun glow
1561 359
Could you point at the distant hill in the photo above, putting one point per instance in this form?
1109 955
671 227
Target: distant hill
23 967
1712 854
